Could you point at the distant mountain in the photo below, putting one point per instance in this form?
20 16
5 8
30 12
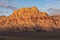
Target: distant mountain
29 20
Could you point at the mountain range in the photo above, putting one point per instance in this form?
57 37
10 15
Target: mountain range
29 20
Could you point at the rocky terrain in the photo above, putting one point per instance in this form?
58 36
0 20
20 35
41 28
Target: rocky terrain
29 20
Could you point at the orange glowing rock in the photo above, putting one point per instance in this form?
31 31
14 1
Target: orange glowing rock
29 19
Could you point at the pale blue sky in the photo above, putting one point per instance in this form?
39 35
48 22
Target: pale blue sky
8 6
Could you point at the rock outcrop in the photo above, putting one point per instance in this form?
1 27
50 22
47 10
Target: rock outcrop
29 19
56 19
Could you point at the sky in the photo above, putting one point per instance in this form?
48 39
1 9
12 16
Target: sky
50 6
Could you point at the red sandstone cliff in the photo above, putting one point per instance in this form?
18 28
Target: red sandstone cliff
29 19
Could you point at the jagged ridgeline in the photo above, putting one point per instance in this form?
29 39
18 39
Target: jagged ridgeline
29 20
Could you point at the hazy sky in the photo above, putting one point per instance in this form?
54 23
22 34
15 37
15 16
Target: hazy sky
49 6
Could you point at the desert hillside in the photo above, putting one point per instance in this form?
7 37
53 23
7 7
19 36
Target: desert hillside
29 19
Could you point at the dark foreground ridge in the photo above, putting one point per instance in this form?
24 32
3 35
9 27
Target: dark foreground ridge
31 35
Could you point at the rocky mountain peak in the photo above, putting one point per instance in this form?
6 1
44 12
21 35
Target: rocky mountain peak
28 19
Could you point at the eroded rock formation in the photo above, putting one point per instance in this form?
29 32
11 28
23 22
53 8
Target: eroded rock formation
29 19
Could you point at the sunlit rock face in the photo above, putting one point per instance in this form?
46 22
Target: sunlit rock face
2 21
28 19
